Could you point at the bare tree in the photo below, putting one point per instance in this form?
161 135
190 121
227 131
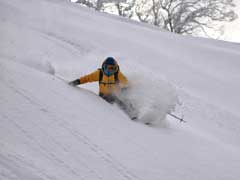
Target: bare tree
86 3
95 4
99 4
185 16
125 9
143 11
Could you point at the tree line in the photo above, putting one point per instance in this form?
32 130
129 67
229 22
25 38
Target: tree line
195 17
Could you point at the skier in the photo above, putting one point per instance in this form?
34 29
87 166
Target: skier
111 82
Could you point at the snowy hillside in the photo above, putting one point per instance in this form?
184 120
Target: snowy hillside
52 131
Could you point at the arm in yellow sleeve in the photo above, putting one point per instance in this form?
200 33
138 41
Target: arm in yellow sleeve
90 77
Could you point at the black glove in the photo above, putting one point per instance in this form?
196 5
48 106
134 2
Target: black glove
75 82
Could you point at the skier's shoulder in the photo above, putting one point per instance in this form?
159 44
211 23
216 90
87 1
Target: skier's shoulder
121 75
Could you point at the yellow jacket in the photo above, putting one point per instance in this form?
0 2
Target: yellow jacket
107 85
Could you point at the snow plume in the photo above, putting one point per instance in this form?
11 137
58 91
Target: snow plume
152 98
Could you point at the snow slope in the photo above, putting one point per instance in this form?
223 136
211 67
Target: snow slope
49 130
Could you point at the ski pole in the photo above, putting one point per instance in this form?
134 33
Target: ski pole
180 119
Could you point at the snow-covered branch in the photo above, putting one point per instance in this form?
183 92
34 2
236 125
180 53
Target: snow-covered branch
186 16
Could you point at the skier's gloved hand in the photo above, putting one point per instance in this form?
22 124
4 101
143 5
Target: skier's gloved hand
75 82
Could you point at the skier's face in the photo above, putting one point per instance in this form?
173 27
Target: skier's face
111 68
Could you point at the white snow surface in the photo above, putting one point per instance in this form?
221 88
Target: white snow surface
52 131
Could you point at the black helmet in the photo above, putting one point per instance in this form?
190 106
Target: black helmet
110 66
